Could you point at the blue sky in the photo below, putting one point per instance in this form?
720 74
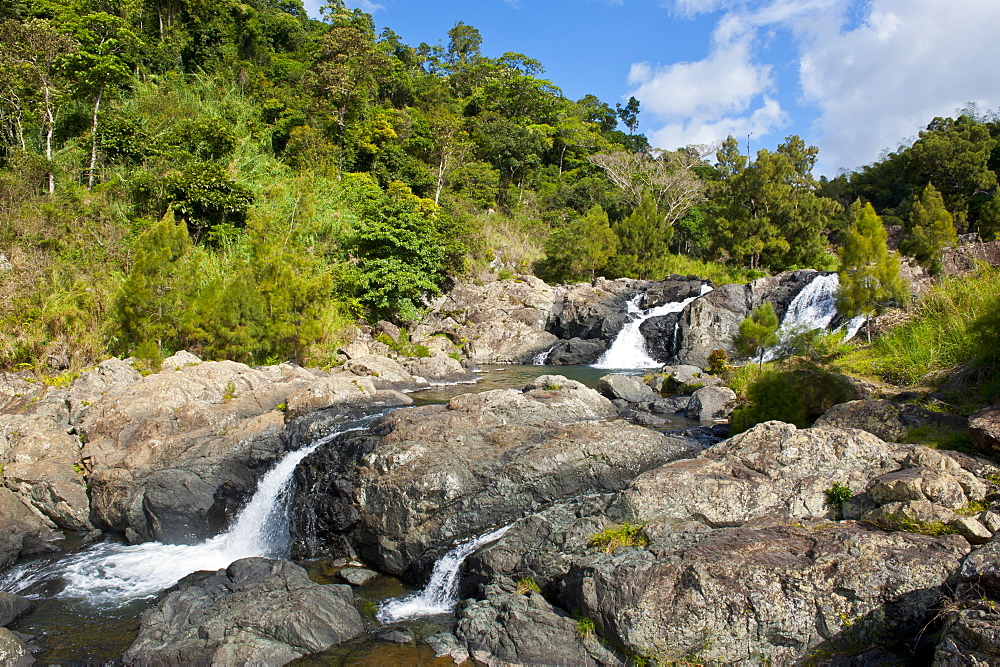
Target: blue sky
853 77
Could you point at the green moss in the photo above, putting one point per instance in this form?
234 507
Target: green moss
622 535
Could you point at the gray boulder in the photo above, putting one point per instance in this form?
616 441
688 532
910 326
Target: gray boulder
888 420
672 290
711 403
12 607
22 532
576 351
984 428
109 376
257 611
13 651
596 311
626 388
439 369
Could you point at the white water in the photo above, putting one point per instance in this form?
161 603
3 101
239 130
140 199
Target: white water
540 358
440 595
110 573
628 349
815 307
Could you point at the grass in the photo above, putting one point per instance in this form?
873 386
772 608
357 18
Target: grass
622 535
937 437
527 585
949 333
972 508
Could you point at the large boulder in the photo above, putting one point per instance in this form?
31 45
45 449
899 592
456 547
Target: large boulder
439 369
711 403
596 311
42 464
984 428
257 611
173 455
672 289
109 376
22 531
501 322
426 477
888 420
626 388
576 351
735 594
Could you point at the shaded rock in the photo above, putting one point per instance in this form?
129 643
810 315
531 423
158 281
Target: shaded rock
22 532
626 388
509 628
13 606
672 290
397 637
734 594
13 651
984 428
889 421
43 465
659 333
969 637
596 311
900 515
576 351
980 572
257 611
425 477
670 406
711 403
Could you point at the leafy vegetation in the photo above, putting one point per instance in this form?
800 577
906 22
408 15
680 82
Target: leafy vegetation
246 182
837 495
622 535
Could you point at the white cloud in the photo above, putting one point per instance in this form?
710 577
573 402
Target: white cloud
365 5
871 72
906 62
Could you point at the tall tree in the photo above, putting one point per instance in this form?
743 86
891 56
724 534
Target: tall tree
757 332
581 248
931 228
644 235
868 271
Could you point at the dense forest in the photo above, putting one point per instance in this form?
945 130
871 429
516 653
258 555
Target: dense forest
240 180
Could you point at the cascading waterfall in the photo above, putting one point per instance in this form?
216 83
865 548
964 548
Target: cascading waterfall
110 573
628 349
440 595
540 358
815 307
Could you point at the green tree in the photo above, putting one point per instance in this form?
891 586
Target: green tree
868 272
932 229
579 249
757 332
644 235
151 303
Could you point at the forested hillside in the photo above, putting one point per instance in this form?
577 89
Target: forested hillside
245 182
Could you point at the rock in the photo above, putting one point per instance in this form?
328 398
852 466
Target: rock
17 392
984 428
980 573
899 515
427 476
396 637
937 486
991 520
12 607
22 532
711 403
971 529
684 377
43 465
446 644
885 419
670 406
771 467
659 332
596 311
734 594
13 651
328 392
672 290
257 611
179 360
576 351
357 576
525 630
109 376
440 369
384 373
626 388
969 637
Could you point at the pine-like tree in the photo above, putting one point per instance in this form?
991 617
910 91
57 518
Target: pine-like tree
932 229
758 331
645 235
869 272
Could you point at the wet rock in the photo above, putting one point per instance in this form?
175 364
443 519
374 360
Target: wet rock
672 289
397 637
711 403
596 311
13 606
22 532
426 477
13 651
576 351
888 420
257 611
446 644
984 428
357 576
734 594
659 333
510 628
625 387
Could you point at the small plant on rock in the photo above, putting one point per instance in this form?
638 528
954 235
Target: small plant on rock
624 535
837 495
717 361
527 585
585 627
229 391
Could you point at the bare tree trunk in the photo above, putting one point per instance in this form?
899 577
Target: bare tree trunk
440 178
93 139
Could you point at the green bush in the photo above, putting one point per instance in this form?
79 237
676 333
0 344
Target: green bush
837 495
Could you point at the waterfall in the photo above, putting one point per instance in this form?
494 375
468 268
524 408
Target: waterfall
110 573
815 307
540 358
628 349
440 595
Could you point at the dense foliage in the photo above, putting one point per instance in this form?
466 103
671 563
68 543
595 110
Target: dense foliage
246 182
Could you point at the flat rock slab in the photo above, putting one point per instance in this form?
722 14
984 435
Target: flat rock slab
357 576
257 611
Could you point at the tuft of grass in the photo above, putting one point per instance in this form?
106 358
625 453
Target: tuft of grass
527 585
972 508
229 391
622 535
585 627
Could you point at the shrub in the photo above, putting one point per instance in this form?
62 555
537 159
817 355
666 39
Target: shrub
717 361
837 495
623 535
527 585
